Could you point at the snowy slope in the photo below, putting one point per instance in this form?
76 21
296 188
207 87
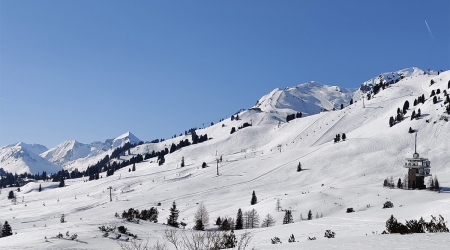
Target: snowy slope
21 157
263 158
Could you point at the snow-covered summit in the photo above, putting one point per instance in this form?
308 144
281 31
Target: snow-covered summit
308 98
21 157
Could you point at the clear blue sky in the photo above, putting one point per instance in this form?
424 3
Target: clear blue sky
92 70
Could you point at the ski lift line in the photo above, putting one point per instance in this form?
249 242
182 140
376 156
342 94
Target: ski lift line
328 130
308 127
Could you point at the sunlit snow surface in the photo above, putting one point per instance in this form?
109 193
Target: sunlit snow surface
336 176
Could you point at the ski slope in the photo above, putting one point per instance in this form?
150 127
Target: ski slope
264 158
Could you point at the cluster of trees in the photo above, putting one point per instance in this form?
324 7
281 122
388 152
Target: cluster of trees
133 214
389 183
415 115
420 99
400 114
293 116
338 137
15 180
414 226
235 117
434 184
246 124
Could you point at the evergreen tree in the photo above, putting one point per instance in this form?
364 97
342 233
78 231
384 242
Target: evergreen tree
63 219
6 230
418 114
410 130
344 136
413 115
351 101
40 188
182 161
173 217
310 216
399 183
61 183
342 106
435 100
218 221
239 220
254 199
134 167
288 217
268 221
391 121
11 195
299 168
436 184
199 225
405 106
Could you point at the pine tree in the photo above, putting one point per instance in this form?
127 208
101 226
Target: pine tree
254 199
342 106
134 167
299 167
61 183
6 230
218 221
182 161
63 219
413 115
11 195
173 217
399 183
351 101
436 184
344 136
310 216
239 220
418 114
268 221
40 188
391 121
199 225
288 217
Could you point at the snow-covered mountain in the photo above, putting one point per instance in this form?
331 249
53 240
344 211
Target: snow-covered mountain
309 98
68 155
21 157
263 158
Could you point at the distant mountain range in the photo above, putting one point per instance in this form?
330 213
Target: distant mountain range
35 158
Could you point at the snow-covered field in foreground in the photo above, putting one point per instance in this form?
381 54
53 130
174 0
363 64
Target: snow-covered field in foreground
336 176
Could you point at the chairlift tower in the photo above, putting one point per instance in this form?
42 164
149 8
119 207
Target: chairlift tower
418 169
